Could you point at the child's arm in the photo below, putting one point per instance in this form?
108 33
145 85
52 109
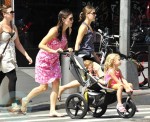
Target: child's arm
124 81
113 76
122 78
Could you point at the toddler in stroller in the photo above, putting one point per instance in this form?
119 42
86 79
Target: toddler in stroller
89 65
95 97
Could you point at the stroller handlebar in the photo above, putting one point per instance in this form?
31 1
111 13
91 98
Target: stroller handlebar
64 52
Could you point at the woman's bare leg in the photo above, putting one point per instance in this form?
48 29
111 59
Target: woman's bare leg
71 84
36 91
53 99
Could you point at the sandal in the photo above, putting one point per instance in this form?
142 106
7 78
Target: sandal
59 93
24 105
59 98
121 108
15 108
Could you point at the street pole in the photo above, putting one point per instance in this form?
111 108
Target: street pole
128 69
13 7
149 66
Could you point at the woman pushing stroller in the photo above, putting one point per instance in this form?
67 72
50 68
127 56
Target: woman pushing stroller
84 46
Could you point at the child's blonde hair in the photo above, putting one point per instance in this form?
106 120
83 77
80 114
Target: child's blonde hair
87 63
109 62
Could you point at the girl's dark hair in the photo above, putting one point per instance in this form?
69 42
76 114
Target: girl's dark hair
63 14
3 9
86 10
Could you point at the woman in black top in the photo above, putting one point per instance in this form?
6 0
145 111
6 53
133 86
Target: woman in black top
84 42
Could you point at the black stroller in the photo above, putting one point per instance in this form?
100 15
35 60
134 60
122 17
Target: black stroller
94 97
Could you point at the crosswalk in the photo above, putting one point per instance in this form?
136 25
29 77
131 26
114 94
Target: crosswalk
110 115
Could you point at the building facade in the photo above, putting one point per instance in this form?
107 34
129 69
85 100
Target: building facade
35 18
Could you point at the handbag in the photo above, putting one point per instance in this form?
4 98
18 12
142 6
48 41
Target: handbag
1 55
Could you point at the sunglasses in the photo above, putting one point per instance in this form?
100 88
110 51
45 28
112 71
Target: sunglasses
11 12
71 18
94 13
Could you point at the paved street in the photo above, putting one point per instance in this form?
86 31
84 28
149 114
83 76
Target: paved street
42 116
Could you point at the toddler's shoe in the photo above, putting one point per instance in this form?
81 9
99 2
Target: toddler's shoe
121 108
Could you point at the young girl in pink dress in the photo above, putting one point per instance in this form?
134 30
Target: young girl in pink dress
114 78
47 67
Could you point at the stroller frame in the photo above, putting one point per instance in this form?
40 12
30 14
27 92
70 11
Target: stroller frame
94 97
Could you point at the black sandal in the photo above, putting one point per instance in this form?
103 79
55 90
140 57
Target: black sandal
59 98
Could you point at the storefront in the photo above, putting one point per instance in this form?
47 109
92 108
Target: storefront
35 18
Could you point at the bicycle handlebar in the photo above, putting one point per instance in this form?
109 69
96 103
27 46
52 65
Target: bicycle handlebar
108 36
116 36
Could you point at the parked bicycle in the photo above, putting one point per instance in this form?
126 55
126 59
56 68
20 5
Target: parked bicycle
140 58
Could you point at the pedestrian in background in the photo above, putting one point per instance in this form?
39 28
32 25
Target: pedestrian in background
9 34
47 66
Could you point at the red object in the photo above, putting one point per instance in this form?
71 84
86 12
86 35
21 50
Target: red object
27 26
148 10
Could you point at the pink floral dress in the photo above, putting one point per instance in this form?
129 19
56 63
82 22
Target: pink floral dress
47 65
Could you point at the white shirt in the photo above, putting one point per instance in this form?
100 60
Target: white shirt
8 62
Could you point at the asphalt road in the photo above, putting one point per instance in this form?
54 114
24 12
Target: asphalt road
111 115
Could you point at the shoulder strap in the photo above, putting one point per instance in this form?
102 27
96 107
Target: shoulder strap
86 25
6 46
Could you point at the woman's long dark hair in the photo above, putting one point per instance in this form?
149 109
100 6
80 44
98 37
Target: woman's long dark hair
63 14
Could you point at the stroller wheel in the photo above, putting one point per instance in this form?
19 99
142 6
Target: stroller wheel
76 106
97 111
130 107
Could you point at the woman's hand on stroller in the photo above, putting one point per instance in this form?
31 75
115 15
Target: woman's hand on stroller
70 49
64 52
59 50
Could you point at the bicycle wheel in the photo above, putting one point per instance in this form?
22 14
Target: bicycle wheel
142 59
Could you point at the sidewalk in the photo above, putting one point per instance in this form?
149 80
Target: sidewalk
140 96
25 84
